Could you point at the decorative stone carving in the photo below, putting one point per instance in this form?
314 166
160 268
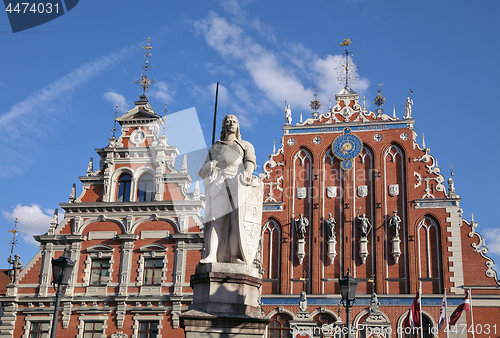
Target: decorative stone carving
331 192
234 198
300 225
72 195
301 193
362 191
396 249
393 190
332 238
408 108
288 115
16 267
395 223
303 302
118 335
364 225
330 223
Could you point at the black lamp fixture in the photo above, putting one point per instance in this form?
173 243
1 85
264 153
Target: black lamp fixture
348 286
61 272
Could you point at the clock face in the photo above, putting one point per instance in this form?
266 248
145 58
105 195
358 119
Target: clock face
346 164
317 140
347 146
291 141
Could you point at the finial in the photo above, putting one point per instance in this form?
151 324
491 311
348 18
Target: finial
451 168
13 241
379 100
423 140
394 111
164 119
315 104
364 103
411 91
72 195
330 104
346 70
113 130
301 116
184 168
274 147
144 82
472 217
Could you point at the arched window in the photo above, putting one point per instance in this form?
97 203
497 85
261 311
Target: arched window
124 183
417 333
145 188
324 324
279 327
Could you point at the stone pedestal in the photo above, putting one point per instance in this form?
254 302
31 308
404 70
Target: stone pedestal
225 303
396 251
301 252
363 249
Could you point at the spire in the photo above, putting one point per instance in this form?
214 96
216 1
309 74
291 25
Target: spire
144 82
90 167
165 111
274 147
113 129
196 193
379 100
423 140
346 70
394 111
301 116
315 104
13 241
72 195
184 168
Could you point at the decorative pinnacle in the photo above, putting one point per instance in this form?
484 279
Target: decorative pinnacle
13 241
315 104
113 130
144 82
164 119
379 100
346 70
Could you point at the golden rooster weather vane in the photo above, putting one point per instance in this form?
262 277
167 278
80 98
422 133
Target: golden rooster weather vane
346 70
144 82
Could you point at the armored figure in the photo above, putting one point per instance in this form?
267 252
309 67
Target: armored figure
300 224
16 267
229 160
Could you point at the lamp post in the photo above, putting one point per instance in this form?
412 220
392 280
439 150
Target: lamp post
61 272
348 286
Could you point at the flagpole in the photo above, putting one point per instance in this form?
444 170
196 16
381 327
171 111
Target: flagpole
420 301
471 315
446 314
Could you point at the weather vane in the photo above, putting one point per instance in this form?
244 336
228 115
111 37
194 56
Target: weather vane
13 241
451 168
379 100
346 70
114 124
144 82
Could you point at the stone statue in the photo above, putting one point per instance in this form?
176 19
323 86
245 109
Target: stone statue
300 224
288 115
408 104
16 267
374 304
330 222
395 222
303 301
227 171
364 225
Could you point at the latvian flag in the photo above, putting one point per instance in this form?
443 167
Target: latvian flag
413 318
442 313
464 306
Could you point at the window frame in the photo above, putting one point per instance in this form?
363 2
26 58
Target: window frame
124 196
147 318
30 319
144 178
92 318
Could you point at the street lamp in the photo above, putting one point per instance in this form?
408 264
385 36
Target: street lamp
61 272
348 286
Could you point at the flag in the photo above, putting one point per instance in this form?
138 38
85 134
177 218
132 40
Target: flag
442 313
463 306
413 318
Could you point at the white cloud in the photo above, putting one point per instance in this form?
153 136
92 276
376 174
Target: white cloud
32 220
224 98
492 240
117 99
289 71
162 92
28 119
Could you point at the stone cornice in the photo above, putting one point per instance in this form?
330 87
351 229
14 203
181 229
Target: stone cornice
136 207
59 238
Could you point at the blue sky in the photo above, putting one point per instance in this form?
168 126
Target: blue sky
60 82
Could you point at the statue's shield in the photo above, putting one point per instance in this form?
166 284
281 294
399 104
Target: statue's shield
250 197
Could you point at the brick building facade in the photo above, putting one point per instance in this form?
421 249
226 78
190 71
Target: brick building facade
136 234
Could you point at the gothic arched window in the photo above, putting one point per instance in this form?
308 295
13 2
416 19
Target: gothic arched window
279 327
417 333
124 183
145 188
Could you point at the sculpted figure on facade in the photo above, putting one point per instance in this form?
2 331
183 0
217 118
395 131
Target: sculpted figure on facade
227 175
288 115
16 267
330 223
408 104
303 301
364 225
395 223
300 224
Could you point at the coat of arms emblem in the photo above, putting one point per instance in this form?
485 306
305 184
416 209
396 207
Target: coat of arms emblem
301 193
363 191
394 189
331 192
